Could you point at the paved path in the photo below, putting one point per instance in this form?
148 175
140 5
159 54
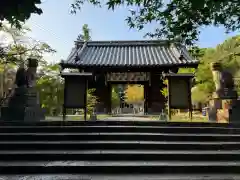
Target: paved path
128 118
124 117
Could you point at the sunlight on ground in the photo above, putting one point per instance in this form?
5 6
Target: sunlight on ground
76 117
181 117
184 117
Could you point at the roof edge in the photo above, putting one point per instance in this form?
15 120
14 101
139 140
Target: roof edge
189 64
128 42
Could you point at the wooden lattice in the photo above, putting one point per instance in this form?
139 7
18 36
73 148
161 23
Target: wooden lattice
237 82
128 76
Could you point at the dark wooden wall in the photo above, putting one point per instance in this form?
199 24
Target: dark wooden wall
156 101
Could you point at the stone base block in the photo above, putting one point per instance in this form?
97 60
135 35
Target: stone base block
227 110
222 103
212 114
234 114
22 114
226 94
12 114
223 115
24 97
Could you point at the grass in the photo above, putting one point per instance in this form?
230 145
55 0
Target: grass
184 117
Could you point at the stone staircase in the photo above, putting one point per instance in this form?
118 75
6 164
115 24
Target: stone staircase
138 149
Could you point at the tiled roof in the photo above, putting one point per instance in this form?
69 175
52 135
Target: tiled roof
129 53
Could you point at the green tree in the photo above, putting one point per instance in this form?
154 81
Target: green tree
51 90
197 52
115 97
50 87
85 36
179 19
228 54
91 100
17 48
134 93
17 12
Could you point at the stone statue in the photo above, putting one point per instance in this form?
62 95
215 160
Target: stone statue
223 81
24 104
20 79
27 78
31 72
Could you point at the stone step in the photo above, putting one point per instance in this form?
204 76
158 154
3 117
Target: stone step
119 136
119 123
118 145
121 177
103 147
116 167
87 129
120 155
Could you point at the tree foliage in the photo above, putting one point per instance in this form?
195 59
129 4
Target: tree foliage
179 19
16 47
134 93
228 53
85 35
50 87
19 11
91 100
115 97
49 84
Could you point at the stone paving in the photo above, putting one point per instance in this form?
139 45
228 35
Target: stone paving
120 177
128 118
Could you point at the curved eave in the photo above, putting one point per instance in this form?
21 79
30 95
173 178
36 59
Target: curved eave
82 66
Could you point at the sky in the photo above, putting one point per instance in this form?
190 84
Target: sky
59 28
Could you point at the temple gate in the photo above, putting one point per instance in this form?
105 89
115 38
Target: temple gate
129 62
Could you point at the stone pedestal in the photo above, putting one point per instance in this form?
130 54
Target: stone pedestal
23 106
234 112
212 114
226 110
225 94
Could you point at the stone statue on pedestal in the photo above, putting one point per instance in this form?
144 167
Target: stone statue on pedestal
224 106
24 103
223 81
